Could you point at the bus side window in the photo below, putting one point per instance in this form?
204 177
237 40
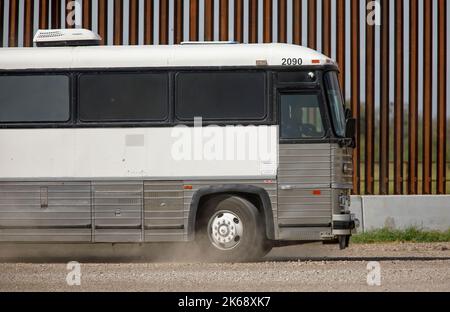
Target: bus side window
301 117
34 98
132 97
221 95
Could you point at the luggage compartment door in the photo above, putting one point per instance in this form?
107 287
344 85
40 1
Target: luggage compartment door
45 212
117 211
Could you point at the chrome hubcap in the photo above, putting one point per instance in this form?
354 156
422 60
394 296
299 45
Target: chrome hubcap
225 230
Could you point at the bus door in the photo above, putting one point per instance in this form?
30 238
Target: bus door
304 173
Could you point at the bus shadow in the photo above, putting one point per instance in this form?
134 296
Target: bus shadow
165 253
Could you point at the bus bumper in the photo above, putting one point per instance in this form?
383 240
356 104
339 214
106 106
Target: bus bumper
344 224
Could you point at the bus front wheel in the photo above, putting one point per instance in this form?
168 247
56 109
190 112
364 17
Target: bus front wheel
230 228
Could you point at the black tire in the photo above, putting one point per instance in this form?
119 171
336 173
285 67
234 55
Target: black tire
251 245
344 241
347 241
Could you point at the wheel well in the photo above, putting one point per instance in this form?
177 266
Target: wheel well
255 199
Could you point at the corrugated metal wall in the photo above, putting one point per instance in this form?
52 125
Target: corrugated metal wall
395 75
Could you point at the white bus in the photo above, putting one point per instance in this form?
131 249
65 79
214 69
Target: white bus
105 144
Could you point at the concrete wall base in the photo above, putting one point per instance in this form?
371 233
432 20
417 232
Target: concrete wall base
400 212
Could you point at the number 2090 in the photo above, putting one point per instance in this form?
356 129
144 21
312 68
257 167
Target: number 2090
291 61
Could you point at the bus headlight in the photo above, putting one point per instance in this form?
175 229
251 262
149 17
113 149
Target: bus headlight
344 201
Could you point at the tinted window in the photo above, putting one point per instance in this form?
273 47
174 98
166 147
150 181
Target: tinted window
36 98
301 117
336 103
221 96
123 97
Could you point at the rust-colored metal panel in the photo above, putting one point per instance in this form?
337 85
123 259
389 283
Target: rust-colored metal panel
103 20
267 21
28 24
56 14
239 21
413 87
399 98
164 22
87 14
43 14
442 99
326 25
13 34
178 21
340 34
118 22
312 24
193 20
148 22
134 22
253 21
282 19
355 81
297 22
384 105
370 110
427 97
223 20
209 20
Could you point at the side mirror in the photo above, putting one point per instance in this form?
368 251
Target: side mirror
348 113
350 128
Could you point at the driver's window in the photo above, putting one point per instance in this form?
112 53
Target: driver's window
300 117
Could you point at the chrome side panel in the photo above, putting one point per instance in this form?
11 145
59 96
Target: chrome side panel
340 157
305 233
105 211
117 211
164 216
311 179
305 198
45 211
304 165
341 181
300 207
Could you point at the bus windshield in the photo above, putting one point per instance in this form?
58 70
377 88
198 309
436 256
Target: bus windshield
336 103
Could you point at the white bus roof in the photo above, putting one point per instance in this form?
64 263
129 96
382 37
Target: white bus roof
186 55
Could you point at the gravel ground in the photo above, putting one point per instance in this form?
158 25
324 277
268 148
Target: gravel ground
316 267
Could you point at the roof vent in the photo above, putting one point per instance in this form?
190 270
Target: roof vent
66 38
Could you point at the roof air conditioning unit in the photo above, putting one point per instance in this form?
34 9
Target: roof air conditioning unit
66 38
